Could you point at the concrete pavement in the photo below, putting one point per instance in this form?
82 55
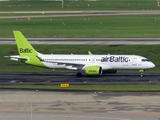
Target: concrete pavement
40 105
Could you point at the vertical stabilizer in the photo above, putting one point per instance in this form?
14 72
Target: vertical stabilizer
24 47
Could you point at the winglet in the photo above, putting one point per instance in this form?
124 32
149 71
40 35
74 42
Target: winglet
89 52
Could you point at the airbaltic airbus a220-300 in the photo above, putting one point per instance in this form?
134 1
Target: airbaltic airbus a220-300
89 64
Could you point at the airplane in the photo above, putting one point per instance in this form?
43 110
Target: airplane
90 64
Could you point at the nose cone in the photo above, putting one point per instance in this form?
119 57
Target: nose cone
152 65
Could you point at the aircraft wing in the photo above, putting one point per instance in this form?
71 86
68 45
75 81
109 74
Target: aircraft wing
66 63
62 63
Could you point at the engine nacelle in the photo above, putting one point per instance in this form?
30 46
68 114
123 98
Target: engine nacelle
109 71
93 70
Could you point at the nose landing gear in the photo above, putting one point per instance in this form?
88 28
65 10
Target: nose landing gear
142 71
142 75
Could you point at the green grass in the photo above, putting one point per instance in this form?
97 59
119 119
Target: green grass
147 26
152 52
79 5
87 87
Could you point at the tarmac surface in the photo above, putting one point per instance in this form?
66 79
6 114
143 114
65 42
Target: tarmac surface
86 12
77 13
101 41
43 105
58 78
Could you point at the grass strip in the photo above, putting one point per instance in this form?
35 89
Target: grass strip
124 88
137 26
29 5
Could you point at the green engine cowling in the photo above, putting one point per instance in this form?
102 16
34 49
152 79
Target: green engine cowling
93 70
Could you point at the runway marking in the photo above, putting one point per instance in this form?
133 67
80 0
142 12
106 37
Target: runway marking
90 117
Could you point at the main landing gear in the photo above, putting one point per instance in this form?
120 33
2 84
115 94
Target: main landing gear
79 74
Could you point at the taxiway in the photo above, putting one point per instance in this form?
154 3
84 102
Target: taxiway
57 78
54 14
90 41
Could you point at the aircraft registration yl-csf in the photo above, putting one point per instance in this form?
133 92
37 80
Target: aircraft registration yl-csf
89 64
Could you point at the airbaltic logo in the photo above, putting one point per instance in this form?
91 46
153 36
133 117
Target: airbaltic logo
26 50
92 71
114 59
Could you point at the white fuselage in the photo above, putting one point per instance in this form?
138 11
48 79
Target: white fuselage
105 61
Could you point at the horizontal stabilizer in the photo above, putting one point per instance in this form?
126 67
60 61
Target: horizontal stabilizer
16 58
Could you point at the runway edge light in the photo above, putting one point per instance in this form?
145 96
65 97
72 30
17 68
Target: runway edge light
64 85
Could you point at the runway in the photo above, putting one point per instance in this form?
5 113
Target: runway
58 78
91 41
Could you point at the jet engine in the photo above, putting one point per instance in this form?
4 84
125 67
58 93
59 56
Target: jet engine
93 70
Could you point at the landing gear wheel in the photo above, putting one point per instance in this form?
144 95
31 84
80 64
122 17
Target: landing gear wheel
142 75
79 74
142 71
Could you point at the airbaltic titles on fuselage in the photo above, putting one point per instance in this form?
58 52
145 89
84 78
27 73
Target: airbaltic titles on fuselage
114 59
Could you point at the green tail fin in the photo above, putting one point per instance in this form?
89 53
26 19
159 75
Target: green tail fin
24 47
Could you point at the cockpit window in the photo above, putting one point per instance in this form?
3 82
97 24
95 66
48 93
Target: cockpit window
145 60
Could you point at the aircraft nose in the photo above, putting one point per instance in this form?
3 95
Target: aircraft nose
152 65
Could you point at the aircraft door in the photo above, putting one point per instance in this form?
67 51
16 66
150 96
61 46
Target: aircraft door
134 61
